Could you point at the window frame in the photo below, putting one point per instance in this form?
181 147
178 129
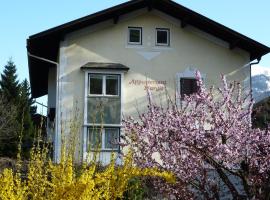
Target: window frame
168 37
103 141
87 125
104 85
189 72
180 89
128 36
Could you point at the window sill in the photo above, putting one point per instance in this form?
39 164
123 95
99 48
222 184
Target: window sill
134 46
103 125
160 47
97 95
104 150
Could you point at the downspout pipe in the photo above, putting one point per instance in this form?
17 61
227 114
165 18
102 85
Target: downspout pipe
43 59
57 137
254 63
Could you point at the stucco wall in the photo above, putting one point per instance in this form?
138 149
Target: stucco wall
107 42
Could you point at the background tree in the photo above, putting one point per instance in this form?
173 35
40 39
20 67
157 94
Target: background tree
208 143
261 114
10 94
18 94
9 128
26 96
9 85
26 111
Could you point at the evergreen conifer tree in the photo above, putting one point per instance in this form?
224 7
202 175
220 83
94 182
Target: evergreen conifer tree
26 98
18 94
26 111
10 91
9 85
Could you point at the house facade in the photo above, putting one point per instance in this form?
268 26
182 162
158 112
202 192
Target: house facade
100 66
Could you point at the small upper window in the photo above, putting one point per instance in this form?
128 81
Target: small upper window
162 37
188 86
135 35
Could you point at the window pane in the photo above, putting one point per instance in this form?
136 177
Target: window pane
112 85
135 35
111 138
95 84
94 138
162 36
188 86
104 110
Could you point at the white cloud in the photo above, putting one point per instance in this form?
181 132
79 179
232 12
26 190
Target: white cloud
258 69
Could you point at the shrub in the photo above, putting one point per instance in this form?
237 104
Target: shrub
207 142
47 180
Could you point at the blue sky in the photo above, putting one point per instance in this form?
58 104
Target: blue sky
20 19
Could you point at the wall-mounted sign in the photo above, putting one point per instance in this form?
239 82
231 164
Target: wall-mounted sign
152 85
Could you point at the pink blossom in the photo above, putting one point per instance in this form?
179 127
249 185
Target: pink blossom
205 134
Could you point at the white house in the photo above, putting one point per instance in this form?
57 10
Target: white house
102 64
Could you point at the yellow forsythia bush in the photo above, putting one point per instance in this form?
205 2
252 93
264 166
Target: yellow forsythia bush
47 180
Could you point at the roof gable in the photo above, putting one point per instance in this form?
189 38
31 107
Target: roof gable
46 43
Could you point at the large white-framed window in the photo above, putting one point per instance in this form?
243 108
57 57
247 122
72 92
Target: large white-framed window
134 35
102 111
162 37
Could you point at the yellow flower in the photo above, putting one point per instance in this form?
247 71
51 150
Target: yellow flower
51 181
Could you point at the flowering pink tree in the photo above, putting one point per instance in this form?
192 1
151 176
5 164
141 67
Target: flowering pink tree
208 143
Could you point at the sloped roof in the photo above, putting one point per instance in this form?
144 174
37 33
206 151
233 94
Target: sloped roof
46 44
105 66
